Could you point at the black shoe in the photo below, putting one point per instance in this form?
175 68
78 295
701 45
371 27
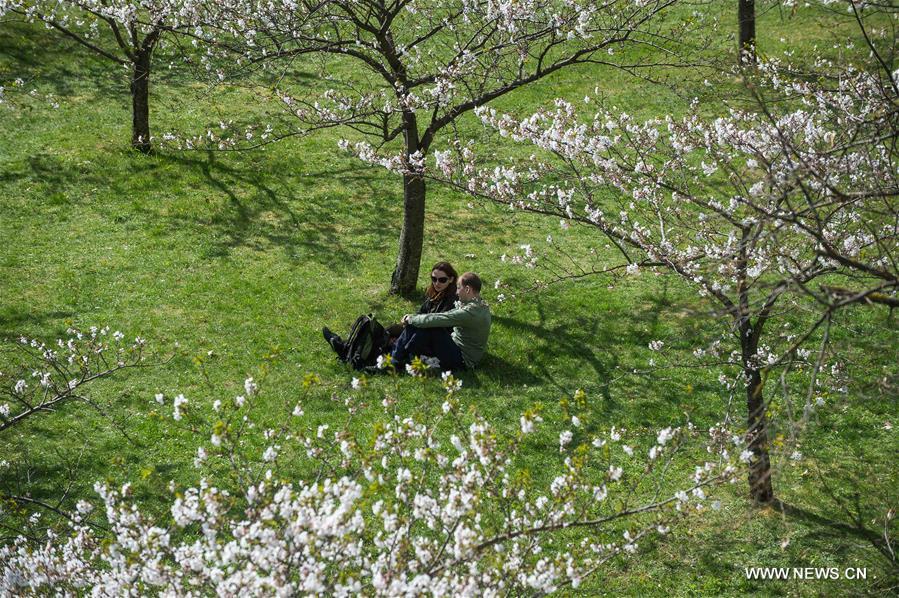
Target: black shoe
335 341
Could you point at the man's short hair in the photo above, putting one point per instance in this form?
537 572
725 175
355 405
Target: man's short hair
470 279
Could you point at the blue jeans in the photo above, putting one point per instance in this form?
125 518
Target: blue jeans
431 342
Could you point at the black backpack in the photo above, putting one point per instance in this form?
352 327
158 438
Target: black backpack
367 340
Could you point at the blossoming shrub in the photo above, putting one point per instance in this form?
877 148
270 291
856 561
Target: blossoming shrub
441 502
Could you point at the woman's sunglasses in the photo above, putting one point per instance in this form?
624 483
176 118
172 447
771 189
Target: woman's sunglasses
440 279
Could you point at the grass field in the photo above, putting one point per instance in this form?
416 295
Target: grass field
240 256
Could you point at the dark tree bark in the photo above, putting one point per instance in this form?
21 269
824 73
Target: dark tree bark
746 45
405 275
761 490
140 101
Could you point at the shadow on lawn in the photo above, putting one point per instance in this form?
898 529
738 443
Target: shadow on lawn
587 341
494 370
59 476
48 59
15 323
265 206
595 345
289 211
45 59
829 528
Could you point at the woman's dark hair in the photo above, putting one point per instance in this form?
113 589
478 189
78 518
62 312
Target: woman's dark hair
447 268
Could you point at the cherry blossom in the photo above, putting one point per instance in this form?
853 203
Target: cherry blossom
392 509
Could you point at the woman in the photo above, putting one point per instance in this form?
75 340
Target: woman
440 296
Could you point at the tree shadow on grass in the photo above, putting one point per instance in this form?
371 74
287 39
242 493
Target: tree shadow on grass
16 322
581 342
262 209
597 346
293 214
57 177
833 529
495 370
856 501
59 475
62 64
49 59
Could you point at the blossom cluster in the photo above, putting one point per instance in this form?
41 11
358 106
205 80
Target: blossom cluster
47 375
409 59
89 17
438 503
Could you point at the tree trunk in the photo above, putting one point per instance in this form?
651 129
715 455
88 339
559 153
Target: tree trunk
760 488
405 275
746 45
140 102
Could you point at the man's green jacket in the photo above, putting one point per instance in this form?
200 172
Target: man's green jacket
471 327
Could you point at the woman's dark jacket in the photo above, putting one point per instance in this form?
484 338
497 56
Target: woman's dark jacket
430 306
446 303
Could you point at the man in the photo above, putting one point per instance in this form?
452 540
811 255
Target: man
427 334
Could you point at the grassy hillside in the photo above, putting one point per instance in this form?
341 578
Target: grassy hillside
224 260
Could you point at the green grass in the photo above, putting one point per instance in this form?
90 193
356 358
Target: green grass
249 254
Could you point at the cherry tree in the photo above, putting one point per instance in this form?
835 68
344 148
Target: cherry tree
750 208
404 71
434 503
124 32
